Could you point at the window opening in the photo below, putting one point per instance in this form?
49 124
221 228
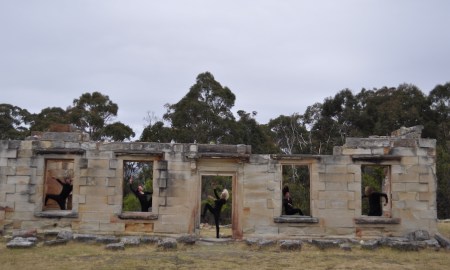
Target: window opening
58 184
138 186
375 190
296 190
216 194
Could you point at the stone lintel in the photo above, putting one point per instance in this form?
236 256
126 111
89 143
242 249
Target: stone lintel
295 157
219 156
295 219
377 220
56 214
376 158
138 216
60 151
138 153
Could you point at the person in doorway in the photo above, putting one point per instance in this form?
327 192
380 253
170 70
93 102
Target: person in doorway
288 205
61 198
218 203
375 208
142 196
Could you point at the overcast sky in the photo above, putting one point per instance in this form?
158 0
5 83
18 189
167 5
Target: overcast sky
277 57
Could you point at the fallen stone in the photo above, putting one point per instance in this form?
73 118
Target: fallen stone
20 242
443 241
291 244
188 239
323 244
150 239
65 235
107 239
419 235
252 241
130 240
405 246
84 237
167 243
115 246
370 244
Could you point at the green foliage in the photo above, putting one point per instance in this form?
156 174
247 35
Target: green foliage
117 132
204 114
48 116
131 203
13 122
91 112
372 176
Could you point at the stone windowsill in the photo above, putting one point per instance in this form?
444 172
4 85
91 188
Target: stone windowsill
56 214
295 219
377 220
138 215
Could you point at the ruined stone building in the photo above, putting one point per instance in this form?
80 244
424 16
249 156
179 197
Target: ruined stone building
98 170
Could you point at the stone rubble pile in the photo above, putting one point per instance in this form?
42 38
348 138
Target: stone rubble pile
414 241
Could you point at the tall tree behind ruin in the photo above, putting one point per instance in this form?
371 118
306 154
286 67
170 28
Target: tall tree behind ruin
204 113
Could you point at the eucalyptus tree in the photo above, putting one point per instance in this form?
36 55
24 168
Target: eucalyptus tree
48 116
204 113
14 122
92 112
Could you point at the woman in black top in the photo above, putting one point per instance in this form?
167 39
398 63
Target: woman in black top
142 196
61 198
375 208
218 203
287 203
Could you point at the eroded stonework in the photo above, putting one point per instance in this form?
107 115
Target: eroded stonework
335 187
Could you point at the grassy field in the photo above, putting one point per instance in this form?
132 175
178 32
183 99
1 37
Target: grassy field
234 255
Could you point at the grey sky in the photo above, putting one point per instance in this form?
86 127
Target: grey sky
277 57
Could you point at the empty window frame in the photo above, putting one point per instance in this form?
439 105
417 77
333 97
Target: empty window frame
58 184
376 190
296 180
138 186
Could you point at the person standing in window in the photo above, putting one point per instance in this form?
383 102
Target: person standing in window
375 208
288 204
218 203
61 198
142 196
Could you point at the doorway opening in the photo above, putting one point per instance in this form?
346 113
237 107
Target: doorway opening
212 197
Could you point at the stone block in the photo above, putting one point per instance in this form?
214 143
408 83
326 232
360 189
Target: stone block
409 160
139 227
21 179
356 151
336 186
416 187
112 227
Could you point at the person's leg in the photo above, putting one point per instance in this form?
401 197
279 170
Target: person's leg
216 220
51 196
207 207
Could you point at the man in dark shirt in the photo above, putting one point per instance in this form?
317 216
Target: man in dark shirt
375 208
287 203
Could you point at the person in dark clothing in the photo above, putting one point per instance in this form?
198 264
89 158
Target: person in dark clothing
61 198
142 196
375 208
218 203
287 203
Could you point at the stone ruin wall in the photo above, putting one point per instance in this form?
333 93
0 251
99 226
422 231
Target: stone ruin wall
335 192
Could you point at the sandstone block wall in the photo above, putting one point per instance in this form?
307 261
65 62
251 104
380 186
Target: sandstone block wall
335 187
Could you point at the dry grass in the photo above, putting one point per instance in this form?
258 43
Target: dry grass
235 255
